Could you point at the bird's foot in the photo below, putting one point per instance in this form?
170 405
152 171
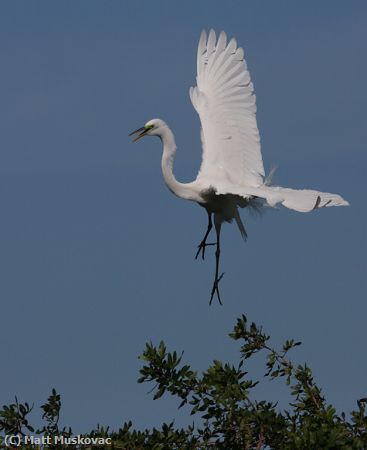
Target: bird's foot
215 289
201 248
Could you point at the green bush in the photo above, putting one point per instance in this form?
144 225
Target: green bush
228 415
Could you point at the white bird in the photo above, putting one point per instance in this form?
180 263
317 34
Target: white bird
232 172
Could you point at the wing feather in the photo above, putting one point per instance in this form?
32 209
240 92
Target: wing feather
226 105
301 200
225 101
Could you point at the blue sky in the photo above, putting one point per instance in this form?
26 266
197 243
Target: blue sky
97 256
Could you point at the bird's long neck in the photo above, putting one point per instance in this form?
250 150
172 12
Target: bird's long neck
169 150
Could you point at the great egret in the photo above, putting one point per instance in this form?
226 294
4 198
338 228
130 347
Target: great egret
232 172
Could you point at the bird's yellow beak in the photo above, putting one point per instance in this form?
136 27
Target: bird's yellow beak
143 130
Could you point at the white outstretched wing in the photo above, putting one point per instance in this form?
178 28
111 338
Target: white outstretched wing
225 101
302 200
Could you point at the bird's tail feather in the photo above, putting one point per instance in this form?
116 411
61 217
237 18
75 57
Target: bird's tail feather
240 225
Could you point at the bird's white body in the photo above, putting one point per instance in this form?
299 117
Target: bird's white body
232 173
202 191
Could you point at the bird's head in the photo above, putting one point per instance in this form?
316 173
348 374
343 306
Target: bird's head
154 127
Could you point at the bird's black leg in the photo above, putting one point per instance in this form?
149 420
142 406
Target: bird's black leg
217 278
203 244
